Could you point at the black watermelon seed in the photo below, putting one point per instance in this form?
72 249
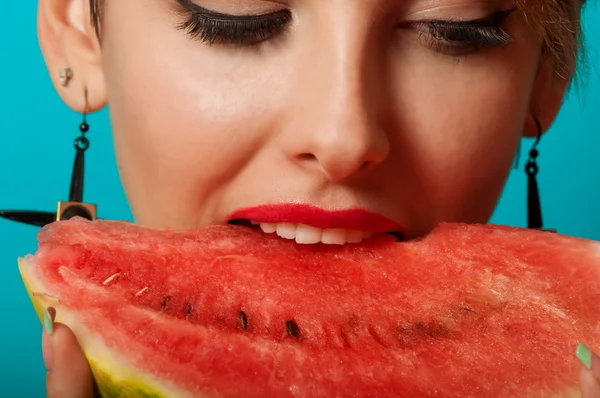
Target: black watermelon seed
165 302
434 329
466 309
188 308
293 329
243 320
421 326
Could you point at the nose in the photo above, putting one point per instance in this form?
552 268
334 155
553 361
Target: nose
342 143
335 125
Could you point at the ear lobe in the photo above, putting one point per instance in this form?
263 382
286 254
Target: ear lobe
68 39
547 98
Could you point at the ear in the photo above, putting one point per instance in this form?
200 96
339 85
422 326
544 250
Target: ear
547 97
68 39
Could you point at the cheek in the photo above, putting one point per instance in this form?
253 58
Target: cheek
185 117
456 145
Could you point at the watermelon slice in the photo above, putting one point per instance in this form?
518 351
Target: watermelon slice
467 311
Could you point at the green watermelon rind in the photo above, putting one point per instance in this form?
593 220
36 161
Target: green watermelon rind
114 377
108 386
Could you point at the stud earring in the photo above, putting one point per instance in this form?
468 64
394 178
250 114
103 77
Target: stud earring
66 74
534 209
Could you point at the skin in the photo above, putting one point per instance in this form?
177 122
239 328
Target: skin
341 111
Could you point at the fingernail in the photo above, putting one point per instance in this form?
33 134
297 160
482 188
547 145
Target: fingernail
585 355
49 316
47 349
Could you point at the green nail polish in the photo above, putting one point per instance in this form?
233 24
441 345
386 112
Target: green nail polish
48 322
585 355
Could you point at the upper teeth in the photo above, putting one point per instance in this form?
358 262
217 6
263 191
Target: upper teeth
305 234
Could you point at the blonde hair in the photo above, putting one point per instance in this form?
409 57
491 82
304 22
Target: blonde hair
558 23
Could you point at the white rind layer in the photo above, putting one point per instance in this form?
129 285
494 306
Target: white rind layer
103 358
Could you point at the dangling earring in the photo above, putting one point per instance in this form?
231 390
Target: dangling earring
75 206
534 210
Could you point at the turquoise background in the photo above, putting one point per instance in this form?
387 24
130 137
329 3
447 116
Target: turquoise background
36 156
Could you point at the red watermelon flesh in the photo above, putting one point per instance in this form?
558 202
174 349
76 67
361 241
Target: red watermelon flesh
467 311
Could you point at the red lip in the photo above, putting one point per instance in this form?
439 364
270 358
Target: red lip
354 219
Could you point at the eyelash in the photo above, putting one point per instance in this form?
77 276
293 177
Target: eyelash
215 28
447 37
465 37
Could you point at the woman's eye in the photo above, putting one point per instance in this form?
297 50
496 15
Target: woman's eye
464 37
212 27
447 37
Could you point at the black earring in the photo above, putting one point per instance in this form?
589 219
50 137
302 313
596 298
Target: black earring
534 209
75 207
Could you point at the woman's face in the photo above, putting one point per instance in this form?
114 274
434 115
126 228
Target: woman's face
388 106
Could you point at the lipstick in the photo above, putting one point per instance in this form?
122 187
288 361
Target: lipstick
351 219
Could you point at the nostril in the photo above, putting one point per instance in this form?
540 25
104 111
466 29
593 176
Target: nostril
307 156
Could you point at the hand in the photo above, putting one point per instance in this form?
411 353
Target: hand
68 372
590 372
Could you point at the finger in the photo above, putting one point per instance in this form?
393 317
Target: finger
590 372
69 374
